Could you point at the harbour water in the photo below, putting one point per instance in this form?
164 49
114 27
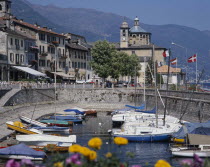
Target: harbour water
145 154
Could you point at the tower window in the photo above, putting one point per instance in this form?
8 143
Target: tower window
123 31
133 52
134 42
0 7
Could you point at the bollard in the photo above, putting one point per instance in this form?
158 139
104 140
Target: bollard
74 85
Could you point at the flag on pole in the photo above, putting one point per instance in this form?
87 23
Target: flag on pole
166 53
173 61
192 59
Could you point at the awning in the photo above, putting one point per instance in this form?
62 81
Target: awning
62 74
30 71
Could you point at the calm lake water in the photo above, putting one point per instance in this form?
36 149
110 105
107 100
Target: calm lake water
146 154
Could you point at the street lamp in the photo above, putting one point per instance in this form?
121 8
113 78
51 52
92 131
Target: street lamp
172 43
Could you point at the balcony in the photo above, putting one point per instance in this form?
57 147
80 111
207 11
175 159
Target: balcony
63 56
33 49
44 54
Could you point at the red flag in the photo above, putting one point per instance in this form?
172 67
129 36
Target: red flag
166 53
173 61
192 59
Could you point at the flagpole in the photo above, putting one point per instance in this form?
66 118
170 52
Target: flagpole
176 74
196 71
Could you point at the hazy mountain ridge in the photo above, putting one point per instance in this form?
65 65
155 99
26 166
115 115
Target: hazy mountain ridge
96 25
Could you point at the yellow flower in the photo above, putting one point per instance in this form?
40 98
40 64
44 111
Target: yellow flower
120 141
92 155
75 148
58 164
108 155
85 151
162 163
95 143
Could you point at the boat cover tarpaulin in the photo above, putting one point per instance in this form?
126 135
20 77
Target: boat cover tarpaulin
30 71
74 110
22 149
136 107
193 128
195 139
153 111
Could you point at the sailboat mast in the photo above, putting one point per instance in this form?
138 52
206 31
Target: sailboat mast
166 98
145 82
155 80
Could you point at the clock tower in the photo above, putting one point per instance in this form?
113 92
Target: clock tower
5 8
124 28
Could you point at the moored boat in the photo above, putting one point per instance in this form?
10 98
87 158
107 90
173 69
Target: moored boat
53 122
18 126
31 121
21 151
43 140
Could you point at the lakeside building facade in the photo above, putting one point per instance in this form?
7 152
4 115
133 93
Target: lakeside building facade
25 44
137 41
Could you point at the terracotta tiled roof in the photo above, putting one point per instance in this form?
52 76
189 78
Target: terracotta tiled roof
76 46
37 28
164 69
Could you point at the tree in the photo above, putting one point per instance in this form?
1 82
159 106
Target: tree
149 80
102 54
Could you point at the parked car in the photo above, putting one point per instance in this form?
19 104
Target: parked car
80 81
90 81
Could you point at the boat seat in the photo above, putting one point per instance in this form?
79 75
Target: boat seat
18 124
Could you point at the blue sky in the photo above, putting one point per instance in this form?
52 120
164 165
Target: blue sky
192 13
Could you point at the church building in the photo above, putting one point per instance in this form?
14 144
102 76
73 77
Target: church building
136 40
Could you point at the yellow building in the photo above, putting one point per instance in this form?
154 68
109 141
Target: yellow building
137 41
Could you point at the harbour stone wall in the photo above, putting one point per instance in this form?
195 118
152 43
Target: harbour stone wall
194 107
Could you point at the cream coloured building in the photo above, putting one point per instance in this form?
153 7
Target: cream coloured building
136 40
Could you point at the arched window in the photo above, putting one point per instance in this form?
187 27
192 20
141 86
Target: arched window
0 7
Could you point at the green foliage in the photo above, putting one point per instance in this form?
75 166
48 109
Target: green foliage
107 61
149 80
102 54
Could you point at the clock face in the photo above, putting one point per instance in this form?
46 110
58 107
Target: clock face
123 38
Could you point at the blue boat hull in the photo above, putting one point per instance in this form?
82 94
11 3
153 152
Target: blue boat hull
146 138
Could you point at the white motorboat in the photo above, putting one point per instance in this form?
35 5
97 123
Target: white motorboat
43 140
32 122
198 144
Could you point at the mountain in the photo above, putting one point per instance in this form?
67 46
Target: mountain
96 25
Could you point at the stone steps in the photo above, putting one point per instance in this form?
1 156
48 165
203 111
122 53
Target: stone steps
7 96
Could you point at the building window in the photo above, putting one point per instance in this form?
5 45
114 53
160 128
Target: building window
40 49
75 54
11 57
63 41
42 37
79 55
16 42
82 65
133 52
59 64
59 40
21 43
69 64
78 64
42 63
72 64
64 64
48 63
48 49
75 64
134 42
53 38
11 41
17 58
43 50
21 58
48 39
0 7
